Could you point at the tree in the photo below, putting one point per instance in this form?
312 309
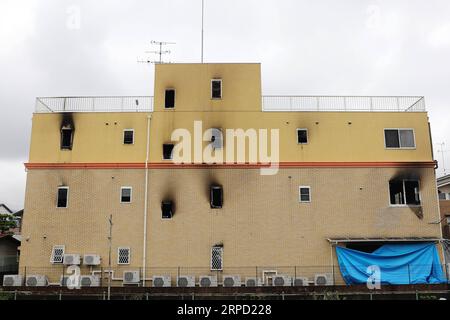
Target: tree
6 223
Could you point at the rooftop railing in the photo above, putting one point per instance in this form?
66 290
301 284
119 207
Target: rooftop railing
269 103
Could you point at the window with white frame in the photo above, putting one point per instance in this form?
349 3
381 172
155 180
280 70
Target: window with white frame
216 89
57 256
304 193
125 194
169 102
128 136
62 200
404 192
123 255
302 136
217 258
399 138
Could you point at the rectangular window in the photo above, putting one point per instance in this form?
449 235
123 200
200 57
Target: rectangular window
304 194
57 256
66 138
167 151
399 138
170 99
63 197
216 89
167 209
125 194
216 258
123 255
302 136
404 192
442 196
128 136
216 197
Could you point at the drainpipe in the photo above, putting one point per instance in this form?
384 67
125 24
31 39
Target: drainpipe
144 252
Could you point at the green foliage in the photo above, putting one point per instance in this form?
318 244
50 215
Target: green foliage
6 222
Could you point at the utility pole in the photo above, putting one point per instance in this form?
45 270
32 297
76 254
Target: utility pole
443 158
109 257
203 16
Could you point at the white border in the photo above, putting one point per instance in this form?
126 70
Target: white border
123 137
131 194
57 198
221 89
399 141
299 194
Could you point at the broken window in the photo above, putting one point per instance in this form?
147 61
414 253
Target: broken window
302 136
128 136
216 89
217 258
57 256
305 194
167 209
404 192
216 198
170 99
123 255
168 151
66 138
63 197
399 138
125 194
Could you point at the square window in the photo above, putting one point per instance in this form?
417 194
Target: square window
170 99
128 136
57 256
216 89
123 255
216 197
63 197
302 136
167 210
304 194
217 258
125 194
168 151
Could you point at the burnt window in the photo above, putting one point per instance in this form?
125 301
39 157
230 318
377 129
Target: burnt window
128 136
66 138
125 194
399 138
168 151
216 197
304 194
170 99
167 209
302 136
216 89
63 197
404 192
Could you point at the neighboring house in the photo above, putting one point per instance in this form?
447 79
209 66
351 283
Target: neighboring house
354 172
9 254
4 209
443 184
16 216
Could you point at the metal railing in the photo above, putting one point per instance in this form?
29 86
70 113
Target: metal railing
344 103
269 103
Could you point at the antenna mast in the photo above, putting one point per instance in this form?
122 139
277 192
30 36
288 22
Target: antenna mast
203 16
160 52
443 159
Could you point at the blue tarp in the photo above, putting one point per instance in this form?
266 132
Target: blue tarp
412 263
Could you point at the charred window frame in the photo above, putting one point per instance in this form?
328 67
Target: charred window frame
216 197
216 89
395 138
304 194
217 258
168 151
167 210
169 99
302 136
128 136
66 137
404 193
126 194
62 200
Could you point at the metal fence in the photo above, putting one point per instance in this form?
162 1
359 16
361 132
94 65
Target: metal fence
269 103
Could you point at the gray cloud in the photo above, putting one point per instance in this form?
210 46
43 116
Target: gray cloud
326 47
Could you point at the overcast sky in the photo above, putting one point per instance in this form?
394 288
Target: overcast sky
320 47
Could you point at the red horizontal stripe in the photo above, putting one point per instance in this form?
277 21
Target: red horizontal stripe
170 165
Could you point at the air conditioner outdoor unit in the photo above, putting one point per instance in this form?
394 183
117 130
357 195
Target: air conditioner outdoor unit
131 277
186 281
207 281
323 279
91 259
14 280
253 282
36 281
301 281
282 281
161 281
90 281
72 259
231 281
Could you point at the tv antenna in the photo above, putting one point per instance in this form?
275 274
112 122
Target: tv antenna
160 52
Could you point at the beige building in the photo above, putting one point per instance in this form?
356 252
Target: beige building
352 171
